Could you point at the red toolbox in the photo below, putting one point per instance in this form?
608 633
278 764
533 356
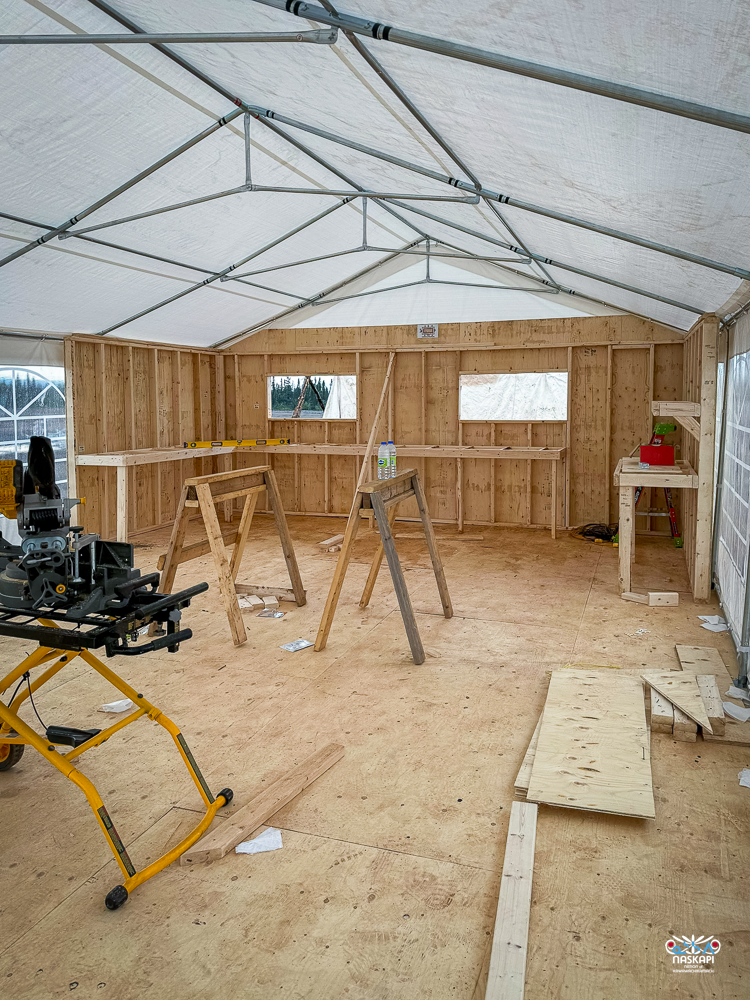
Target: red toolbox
657 454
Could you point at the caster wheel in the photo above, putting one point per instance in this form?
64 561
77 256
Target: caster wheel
10 754
228 796
116 897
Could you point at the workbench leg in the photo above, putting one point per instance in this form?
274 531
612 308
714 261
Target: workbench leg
626 536
429 531
350 533
553 463
272 492
246 520
226 583
399 584
122 503
377 560
172 558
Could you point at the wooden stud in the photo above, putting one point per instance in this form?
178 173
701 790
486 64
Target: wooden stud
626 529
705 465
662 713
507 973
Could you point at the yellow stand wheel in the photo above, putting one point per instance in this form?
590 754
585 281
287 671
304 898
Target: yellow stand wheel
10 754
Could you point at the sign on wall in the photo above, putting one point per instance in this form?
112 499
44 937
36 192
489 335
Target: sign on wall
427 331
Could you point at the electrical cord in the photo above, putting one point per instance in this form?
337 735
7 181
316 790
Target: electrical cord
31 699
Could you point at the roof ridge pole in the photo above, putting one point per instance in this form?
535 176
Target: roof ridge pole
519 67
556 263
232 267
123 187
494 196
427 125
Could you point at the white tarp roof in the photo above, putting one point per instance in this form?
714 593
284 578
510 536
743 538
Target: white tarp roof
79 121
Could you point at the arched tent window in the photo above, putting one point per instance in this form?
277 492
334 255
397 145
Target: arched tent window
32 402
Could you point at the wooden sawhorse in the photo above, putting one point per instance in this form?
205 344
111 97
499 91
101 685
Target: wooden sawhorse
383 496
204 492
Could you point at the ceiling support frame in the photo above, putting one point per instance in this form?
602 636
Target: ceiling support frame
493 196
519 67
316 37
123 187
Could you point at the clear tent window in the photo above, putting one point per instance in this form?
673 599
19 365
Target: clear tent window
525 396
32 403
312 397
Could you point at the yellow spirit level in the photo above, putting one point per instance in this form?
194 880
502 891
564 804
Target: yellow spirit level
247 443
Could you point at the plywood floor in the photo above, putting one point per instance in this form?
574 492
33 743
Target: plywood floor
387 883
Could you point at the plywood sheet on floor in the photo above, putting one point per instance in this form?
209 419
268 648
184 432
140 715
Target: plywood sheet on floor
608 890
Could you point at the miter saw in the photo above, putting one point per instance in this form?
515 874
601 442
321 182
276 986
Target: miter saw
73 592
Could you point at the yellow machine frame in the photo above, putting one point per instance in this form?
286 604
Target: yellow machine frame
14 731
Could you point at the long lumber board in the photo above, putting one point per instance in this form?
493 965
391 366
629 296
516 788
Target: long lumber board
521 784
704 660
593 747
246 820
505 980
683 691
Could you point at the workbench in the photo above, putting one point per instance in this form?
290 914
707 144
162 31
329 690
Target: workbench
123 460
627 476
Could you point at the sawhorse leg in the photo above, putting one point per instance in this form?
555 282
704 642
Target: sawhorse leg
350 533
272 491
377 560
226 583
399 584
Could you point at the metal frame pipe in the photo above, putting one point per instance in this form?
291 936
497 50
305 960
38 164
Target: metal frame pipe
556 263
123 187
503 199
427 125
519 67
227 270
318 36
434 281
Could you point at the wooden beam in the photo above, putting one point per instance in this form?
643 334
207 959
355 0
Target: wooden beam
260 809
507 973
705 498
370 447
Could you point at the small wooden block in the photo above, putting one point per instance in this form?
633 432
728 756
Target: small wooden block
255 603
271 602
663 598
329 543
636 598
709 690
662 713
684 729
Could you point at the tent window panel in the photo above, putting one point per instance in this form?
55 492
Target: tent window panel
312 397
523 396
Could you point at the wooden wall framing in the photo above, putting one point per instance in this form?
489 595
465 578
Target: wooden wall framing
131 395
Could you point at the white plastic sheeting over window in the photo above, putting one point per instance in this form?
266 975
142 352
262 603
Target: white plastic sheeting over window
734 510
514 396
342 399
80 121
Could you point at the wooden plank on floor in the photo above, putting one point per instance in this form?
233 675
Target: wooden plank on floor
704 660
510 941
521 784
245 821
711 696
736 733
682 690
593 748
